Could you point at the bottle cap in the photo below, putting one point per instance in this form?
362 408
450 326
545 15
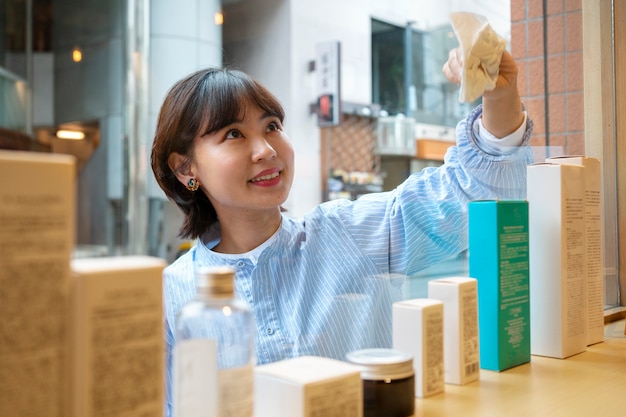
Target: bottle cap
382 364
216 281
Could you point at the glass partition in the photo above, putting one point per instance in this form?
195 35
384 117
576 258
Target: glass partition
547 44
429 98
13 94
15 51
97 94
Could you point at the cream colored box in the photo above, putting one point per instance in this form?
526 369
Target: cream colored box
117 336
308 386
418 330
460 321
557 251
594 241
37 228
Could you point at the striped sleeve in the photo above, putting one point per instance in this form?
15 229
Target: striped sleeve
424 220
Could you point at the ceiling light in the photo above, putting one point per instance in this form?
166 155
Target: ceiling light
218 18
70 134
77 54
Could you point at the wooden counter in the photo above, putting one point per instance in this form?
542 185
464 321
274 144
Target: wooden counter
592 383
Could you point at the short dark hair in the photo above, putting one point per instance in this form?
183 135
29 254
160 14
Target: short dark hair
203 102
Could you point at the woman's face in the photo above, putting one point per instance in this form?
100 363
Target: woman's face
247 165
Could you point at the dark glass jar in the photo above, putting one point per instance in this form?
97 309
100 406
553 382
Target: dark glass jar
388 382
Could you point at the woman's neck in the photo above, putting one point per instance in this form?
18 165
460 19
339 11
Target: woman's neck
241 234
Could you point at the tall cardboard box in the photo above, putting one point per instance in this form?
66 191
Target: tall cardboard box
498 259
417 328
557 231
117 336
594 241
460 322
37 228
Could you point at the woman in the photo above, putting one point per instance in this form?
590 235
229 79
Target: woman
322 285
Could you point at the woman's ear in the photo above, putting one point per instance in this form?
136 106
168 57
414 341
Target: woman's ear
180 166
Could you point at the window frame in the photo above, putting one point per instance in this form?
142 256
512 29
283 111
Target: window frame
604 62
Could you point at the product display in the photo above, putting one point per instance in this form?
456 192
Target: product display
308 386
214 355
557 230
418 330
460 322
498 260
117 336
594 243
388 382
37 232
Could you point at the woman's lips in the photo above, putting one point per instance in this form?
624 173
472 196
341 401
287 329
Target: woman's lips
267 177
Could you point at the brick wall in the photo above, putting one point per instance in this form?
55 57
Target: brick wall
349 146
546 41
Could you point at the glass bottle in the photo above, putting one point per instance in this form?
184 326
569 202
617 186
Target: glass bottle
214 354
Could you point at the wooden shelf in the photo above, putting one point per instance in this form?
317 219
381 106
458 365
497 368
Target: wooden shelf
432 149
588 384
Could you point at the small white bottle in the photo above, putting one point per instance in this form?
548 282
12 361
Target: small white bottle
214 353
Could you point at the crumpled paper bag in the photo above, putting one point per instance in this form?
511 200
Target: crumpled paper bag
482 51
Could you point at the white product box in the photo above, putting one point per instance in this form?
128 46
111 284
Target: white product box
460 321
594 241
117 336
37 228
308 386
556 228
418 330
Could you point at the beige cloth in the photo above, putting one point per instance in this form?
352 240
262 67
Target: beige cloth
482 51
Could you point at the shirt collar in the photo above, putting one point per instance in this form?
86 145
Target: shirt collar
212 237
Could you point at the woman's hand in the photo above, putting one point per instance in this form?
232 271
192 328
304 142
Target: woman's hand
502 107
507 77
453 68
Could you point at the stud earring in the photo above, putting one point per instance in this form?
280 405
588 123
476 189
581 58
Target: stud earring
193 184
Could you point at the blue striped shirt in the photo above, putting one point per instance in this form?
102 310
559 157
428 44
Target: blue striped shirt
324 284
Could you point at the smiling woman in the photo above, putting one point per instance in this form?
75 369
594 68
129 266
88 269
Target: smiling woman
322 284
201 142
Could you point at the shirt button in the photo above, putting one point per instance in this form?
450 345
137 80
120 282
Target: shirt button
241 263
269 331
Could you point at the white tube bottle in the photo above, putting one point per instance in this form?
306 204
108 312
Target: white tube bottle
214 354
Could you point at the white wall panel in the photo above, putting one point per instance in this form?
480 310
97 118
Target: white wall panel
115 78
205 16
174 18
183 39
208 54
95 86
170 60
112 128
43 89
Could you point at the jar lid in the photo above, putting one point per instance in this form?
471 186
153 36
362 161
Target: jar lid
216 281
381 364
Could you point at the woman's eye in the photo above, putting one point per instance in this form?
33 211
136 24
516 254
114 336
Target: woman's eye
273 126
233 134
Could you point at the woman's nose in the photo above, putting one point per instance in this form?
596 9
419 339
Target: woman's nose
263 149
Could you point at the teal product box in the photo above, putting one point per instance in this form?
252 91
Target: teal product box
499 261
